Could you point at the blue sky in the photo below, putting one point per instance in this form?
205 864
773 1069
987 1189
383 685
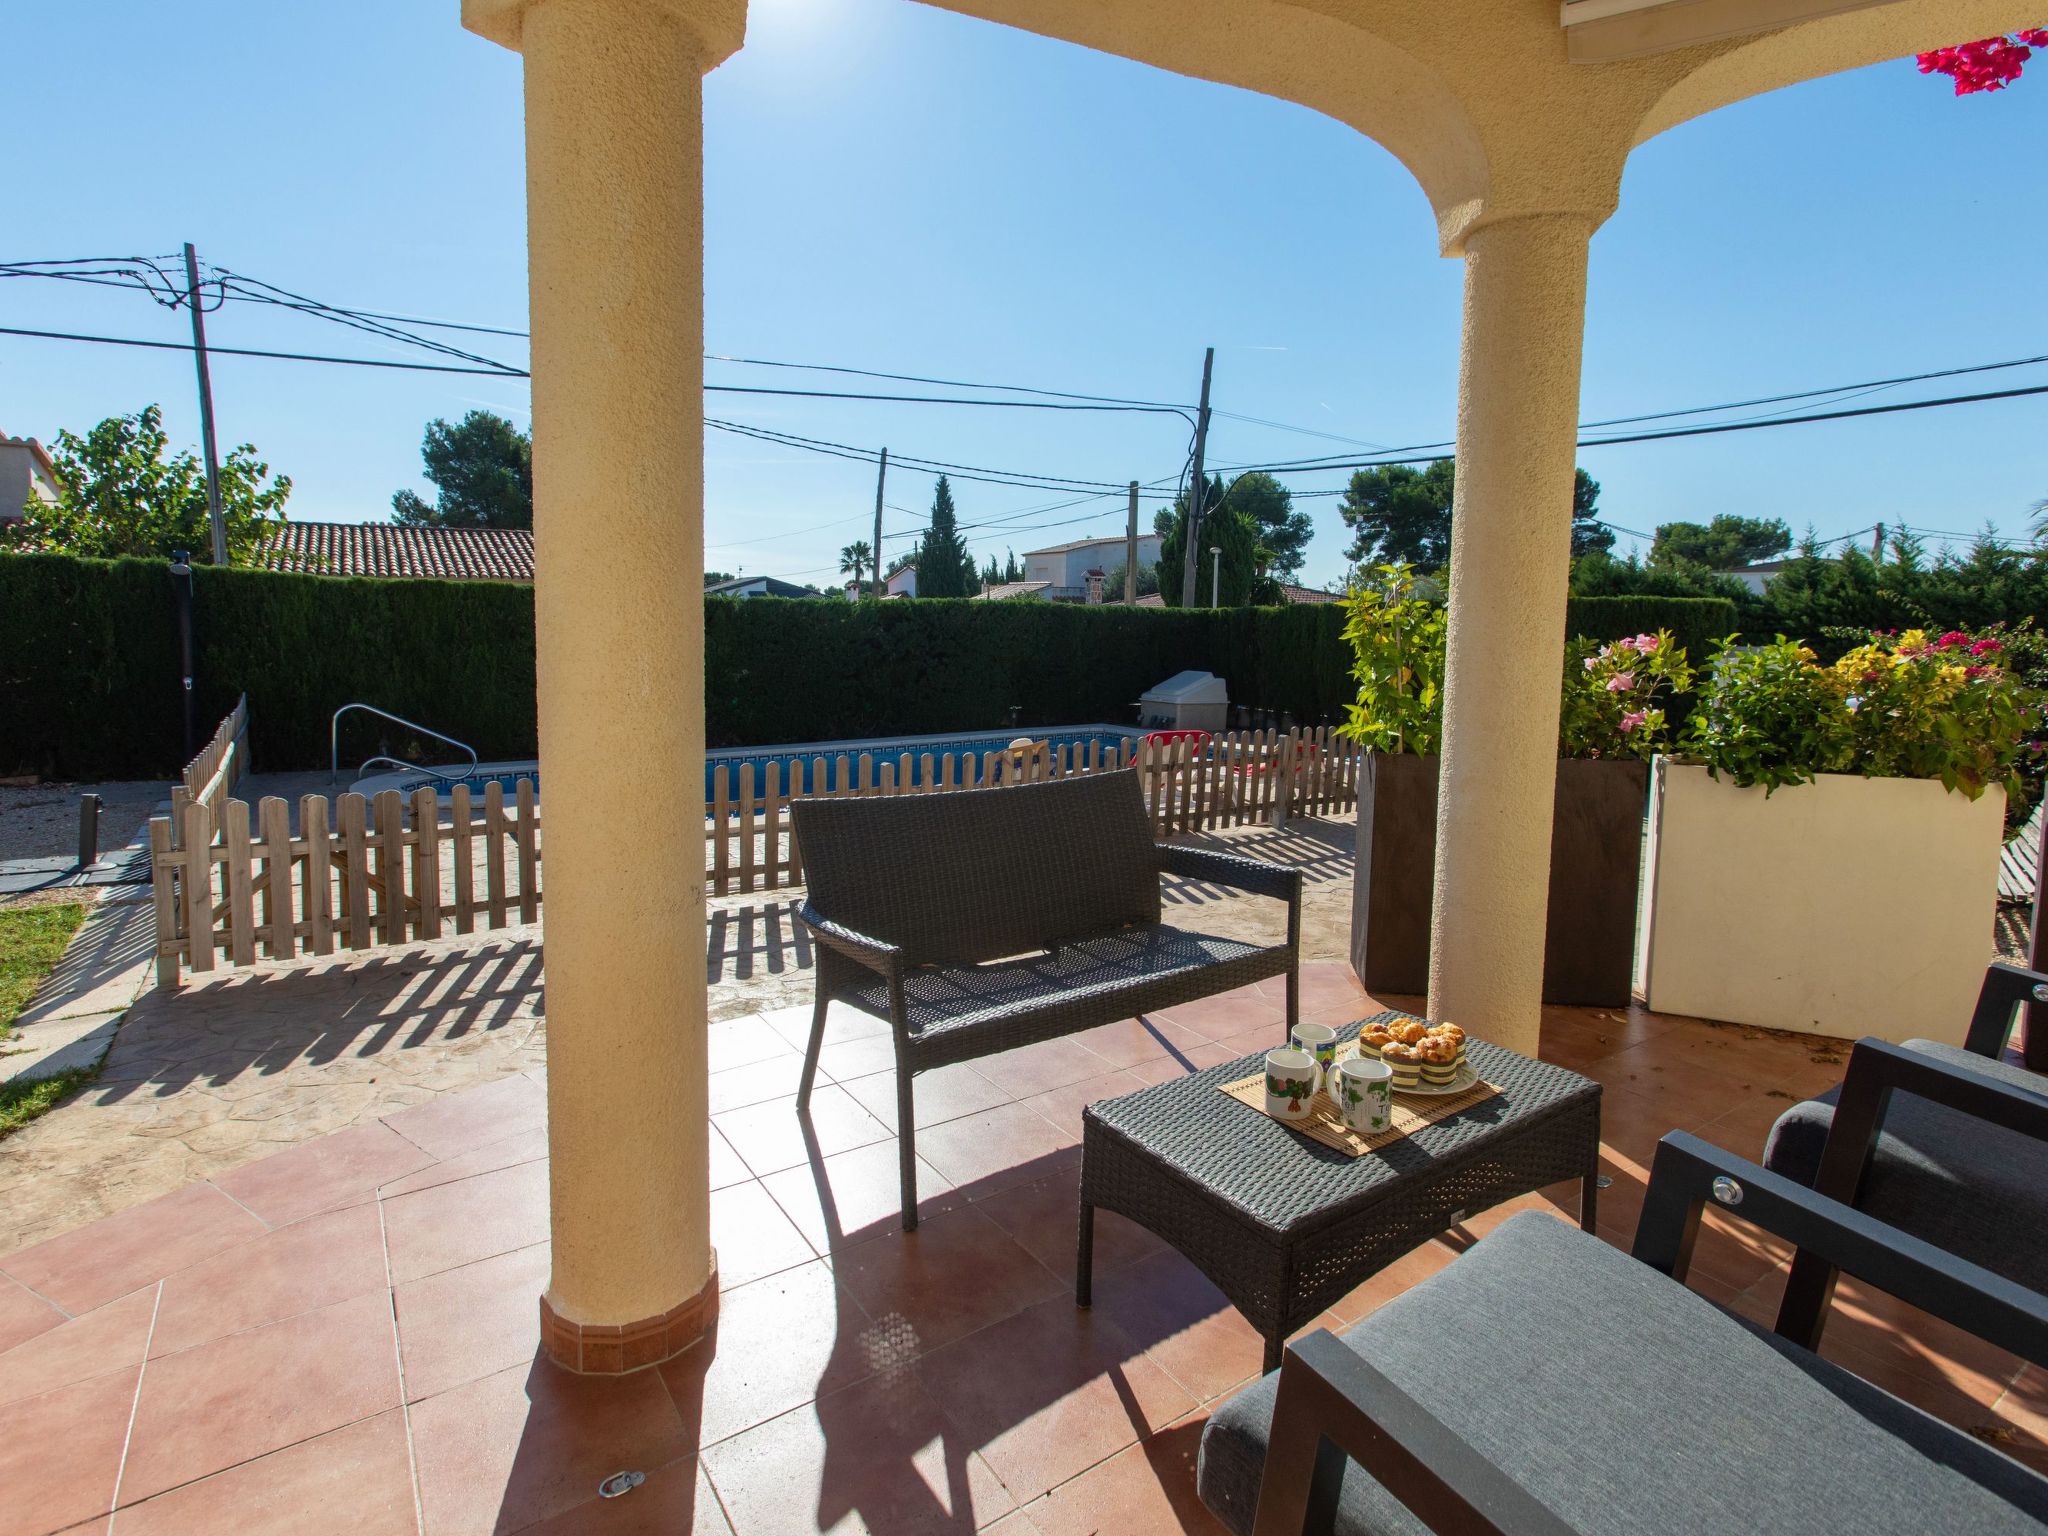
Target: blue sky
898 188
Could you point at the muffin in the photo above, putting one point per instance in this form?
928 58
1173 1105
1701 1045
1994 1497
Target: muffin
1373 1039
1405 1062
1439 1058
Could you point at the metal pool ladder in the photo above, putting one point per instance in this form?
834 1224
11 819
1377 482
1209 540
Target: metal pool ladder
334 746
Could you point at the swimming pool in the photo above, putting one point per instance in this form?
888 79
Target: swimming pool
802 768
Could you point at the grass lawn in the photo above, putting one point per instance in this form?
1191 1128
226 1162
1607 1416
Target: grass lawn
31 941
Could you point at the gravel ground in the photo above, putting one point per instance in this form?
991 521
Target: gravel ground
40 821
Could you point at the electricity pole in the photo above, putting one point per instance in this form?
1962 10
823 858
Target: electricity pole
1196 485
881 475
1131 551
213 517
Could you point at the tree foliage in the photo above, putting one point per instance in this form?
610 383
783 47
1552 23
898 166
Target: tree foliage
944 568
1725 544
1400 515
483 469
1282 532
119 495
997 572
1226 525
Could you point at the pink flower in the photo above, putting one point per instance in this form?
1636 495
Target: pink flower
1986 647
1591 662
1621 682
1645 644
1632 719
1952 639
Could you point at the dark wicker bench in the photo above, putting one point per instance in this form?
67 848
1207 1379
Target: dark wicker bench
982 920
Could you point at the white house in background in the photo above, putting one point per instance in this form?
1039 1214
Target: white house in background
25 473
759 586
1064 568
902 581
1757 577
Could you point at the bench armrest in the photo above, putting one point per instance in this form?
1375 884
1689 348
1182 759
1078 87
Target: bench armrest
884 960
2005 988
1688 1173
1333 1407
1281 881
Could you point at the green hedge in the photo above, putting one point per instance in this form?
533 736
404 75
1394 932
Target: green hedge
88 662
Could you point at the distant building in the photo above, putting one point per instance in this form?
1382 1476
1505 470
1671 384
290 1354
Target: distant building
902 581
1289 594
1757 577
387 549
1064 568
26 474
760 586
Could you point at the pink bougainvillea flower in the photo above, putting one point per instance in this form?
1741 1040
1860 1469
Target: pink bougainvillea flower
1621 682
1989 64
1592 662
1986 647
1644 644
1949 641
1632 719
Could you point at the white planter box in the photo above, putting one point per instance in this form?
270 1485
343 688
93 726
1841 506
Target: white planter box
1848 906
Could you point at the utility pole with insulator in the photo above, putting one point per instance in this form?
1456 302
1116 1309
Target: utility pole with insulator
213 516
1196 486
1131 550
881 475
1877 544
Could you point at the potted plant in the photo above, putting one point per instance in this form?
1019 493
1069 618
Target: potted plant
1612 720
1825 856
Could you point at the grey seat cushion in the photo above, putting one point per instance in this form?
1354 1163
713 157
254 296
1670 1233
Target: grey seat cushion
1136 959
1975 1190
1629 1404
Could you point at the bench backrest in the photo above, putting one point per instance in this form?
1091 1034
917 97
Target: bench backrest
978 874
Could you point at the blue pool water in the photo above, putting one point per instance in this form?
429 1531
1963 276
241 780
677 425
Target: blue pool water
798 765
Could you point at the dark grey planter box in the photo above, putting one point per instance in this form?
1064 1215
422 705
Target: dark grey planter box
1595 857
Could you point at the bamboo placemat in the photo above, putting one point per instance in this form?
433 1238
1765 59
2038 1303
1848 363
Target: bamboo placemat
1325 1122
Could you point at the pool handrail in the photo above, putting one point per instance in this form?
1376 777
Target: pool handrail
334 745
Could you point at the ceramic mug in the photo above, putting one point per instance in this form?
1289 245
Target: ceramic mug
1364 1092
1290 1083
1319 1041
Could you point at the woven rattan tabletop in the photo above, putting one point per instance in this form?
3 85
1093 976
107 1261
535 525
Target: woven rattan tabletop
1284 1181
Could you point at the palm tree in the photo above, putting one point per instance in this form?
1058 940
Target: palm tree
856 560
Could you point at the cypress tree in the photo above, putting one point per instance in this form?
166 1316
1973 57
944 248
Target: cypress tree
943 569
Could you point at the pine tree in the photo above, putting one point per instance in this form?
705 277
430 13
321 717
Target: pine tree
943 568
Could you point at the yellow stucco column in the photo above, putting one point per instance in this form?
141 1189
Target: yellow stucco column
614 92
1518 404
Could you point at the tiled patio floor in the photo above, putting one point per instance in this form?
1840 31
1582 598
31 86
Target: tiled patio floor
342 1337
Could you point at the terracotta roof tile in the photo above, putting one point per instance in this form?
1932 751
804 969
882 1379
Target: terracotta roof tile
386 549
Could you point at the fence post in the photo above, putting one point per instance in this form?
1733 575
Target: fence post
316 882
163 894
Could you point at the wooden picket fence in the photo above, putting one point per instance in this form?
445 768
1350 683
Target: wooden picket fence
232 887
359 874
211 776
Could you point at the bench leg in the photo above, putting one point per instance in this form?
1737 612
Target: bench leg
906 1143
1084 1259
811 1050
1293 1000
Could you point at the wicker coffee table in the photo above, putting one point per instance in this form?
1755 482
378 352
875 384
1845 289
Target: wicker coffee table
1285 1226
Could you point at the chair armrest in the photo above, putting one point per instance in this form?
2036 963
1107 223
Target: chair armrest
1688 1173
883 959
1333 1407
1281 881
2005 988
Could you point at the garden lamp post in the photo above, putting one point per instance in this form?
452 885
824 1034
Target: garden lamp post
1215 574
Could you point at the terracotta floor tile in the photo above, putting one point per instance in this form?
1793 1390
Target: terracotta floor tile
1032 1069
1868 1323
105 1339
1063 1106
353 1481
300 1268
945 1094
844 1061
1046 1394
861 1199
1016 1523
1744 1129
1044 1218
1168 1307
1148 1490
726 1167
877 1457
471 1219
1227 1014
1690 1090
533 1442
676 1500
752 1235
225 1402
60 1454
1196 1058
734 1043
466 1323
1410 1269
997 1148
780 1343
841 1024
956 1273
772 1135
524 1146
461 1122
756 1083
337 1169
1130 1041
124 1252
23 1314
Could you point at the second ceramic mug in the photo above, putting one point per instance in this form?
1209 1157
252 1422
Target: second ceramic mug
1364 1091
1290 1083
1320 1042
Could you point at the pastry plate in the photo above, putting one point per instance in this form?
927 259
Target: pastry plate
1464 1082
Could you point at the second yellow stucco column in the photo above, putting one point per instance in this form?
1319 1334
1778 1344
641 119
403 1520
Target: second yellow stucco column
614 92
1518 403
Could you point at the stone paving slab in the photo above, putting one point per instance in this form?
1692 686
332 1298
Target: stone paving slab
58 1045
